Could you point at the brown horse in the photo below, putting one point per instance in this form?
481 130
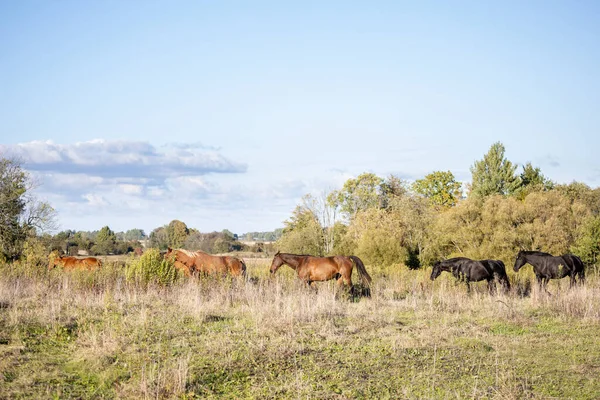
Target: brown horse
311 269
197 261
71 263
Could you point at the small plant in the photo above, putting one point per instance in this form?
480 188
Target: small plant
152 268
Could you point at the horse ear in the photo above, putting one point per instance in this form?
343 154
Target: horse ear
276 254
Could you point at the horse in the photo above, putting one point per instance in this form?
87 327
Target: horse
71 263
467 270
546 266
311 269
197 261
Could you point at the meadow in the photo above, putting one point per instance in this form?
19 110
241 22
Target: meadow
98 335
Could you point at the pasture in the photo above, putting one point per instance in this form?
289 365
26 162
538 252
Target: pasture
96 335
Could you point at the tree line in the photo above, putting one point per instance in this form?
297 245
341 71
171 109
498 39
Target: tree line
389 221
503 209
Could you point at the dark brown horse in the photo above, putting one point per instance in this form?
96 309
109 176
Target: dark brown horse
467 270
546 266
197 261
87 263
311 269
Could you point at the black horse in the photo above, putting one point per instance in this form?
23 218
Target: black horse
546 266
467 270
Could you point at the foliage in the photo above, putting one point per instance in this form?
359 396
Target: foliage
440 187
494 174
377 237
177 232
302 234
105 242
20 213
152 268
587 244
159 238
35 253
134 234
358 194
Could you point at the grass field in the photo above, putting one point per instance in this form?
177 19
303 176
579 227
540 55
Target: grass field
95 335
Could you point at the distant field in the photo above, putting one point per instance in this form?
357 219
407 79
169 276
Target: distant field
97 336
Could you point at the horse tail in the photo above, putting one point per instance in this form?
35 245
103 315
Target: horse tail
500 273
362 272
236 266
581 271
243 268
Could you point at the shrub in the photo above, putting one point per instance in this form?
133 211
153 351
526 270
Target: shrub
152 268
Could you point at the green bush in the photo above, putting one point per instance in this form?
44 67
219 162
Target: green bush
152 268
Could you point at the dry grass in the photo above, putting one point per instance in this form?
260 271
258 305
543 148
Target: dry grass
97 336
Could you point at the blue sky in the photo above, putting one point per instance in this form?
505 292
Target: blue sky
223 114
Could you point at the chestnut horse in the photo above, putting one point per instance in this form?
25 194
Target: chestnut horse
198 261
311 269
71 263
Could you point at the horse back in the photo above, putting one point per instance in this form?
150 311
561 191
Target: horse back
573 262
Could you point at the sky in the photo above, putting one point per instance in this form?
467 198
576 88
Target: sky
223 114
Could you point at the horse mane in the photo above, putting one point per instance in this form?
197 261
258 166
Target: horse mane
189 253
297 255
533 253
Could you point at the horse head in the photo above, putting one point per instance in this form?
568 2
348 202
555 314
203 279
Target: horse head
436 270
53 260
519 261
277 262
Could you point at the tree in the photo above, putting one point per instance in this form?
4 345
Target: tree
439 187
587 245
302 233
177 232
159 238
21 214
494 174
105 242
326 216
532 176
134 234
358 194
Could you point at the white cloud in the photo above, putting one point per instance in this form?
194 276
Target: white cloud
95 200
121 159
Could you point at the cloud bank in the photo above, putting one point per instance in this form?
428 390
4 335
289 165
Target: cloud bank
137 184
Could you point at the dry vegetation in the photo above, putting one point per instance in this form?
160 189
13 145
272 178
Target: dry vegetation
97 335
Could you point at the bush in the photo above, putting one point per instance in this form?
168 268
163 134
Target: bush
152 268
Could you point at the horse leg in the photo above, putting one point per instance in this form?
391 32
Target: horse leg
540 281
581 277
491 286
546 280
572 278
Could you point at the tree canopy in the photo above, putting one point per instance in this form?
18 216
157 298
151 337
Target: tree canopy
494 174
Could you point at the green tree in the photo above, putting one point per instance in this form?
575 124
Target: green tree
587 245
134 234
302 233
105 241
159 238
177 232
20 213
532 176
440 187
358 194
494 174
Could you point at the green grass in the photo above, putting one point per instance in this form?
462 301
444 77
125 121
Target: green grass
100 336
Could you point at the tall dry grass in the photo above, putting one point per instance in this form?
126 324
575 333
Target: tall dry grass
150 335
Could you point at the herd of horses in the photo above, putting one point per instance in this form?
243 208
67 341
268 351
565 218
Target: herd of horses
313 269
545 267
